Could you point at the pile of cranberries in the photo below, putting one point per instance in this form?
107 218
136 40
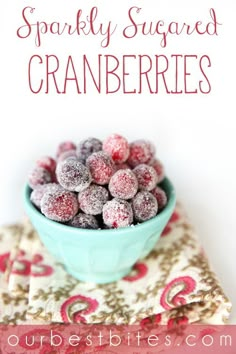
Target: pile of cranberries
97 184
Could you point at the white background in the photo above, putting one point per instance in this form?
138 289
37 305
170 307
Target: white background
194 134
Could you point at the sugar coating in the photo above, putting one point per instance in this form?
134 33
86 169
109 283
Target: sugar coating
117 147
121 166
141 151
101 167
38 176
38 193
65 146
92 199
144 206
160 196
87 147
59 205
73 175
117 213
84 221
126 168
123 184
69 154
159 168
146 176
47 162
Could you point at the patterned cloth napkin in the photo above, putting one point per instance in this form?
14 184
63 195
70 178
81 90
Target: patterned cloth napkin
173 284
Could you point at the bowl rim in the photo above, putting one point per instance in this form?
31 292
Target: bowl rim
32 210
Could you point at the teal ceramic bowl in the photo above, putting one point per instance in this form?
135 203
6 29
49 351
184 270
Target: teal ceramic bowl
100 256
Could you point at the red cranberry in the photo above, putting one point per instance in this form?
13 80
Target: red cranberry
65 146
117 213
73 175
38 193
92 199
117 147
87 147
101 167
59 205
146 176
160 196
144 206
122 166
70 154
159 168
141 151
123 184
38 176
84 221
47 162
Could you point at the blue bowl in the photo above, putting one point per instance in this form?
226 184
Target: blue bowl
100 256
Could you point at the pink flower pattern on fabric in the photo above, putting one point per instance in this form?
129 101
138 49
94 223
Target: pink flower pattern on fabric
139 271
147 322
173 220
44 289
3 261
69 312
186 284
177 322
34 268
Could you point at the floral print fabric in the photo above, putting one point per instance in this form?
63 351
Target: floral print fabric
173 284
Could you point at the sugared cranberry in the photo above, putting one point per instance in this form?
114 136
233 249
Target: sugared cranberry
144 206
38 193
117 147
47 162
117 213
84 221
159 168
60 205
141 151
160 196
122 166
123 184
73 175
65 146
146 176
87 147
101 167
92 199
70 154
38 176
